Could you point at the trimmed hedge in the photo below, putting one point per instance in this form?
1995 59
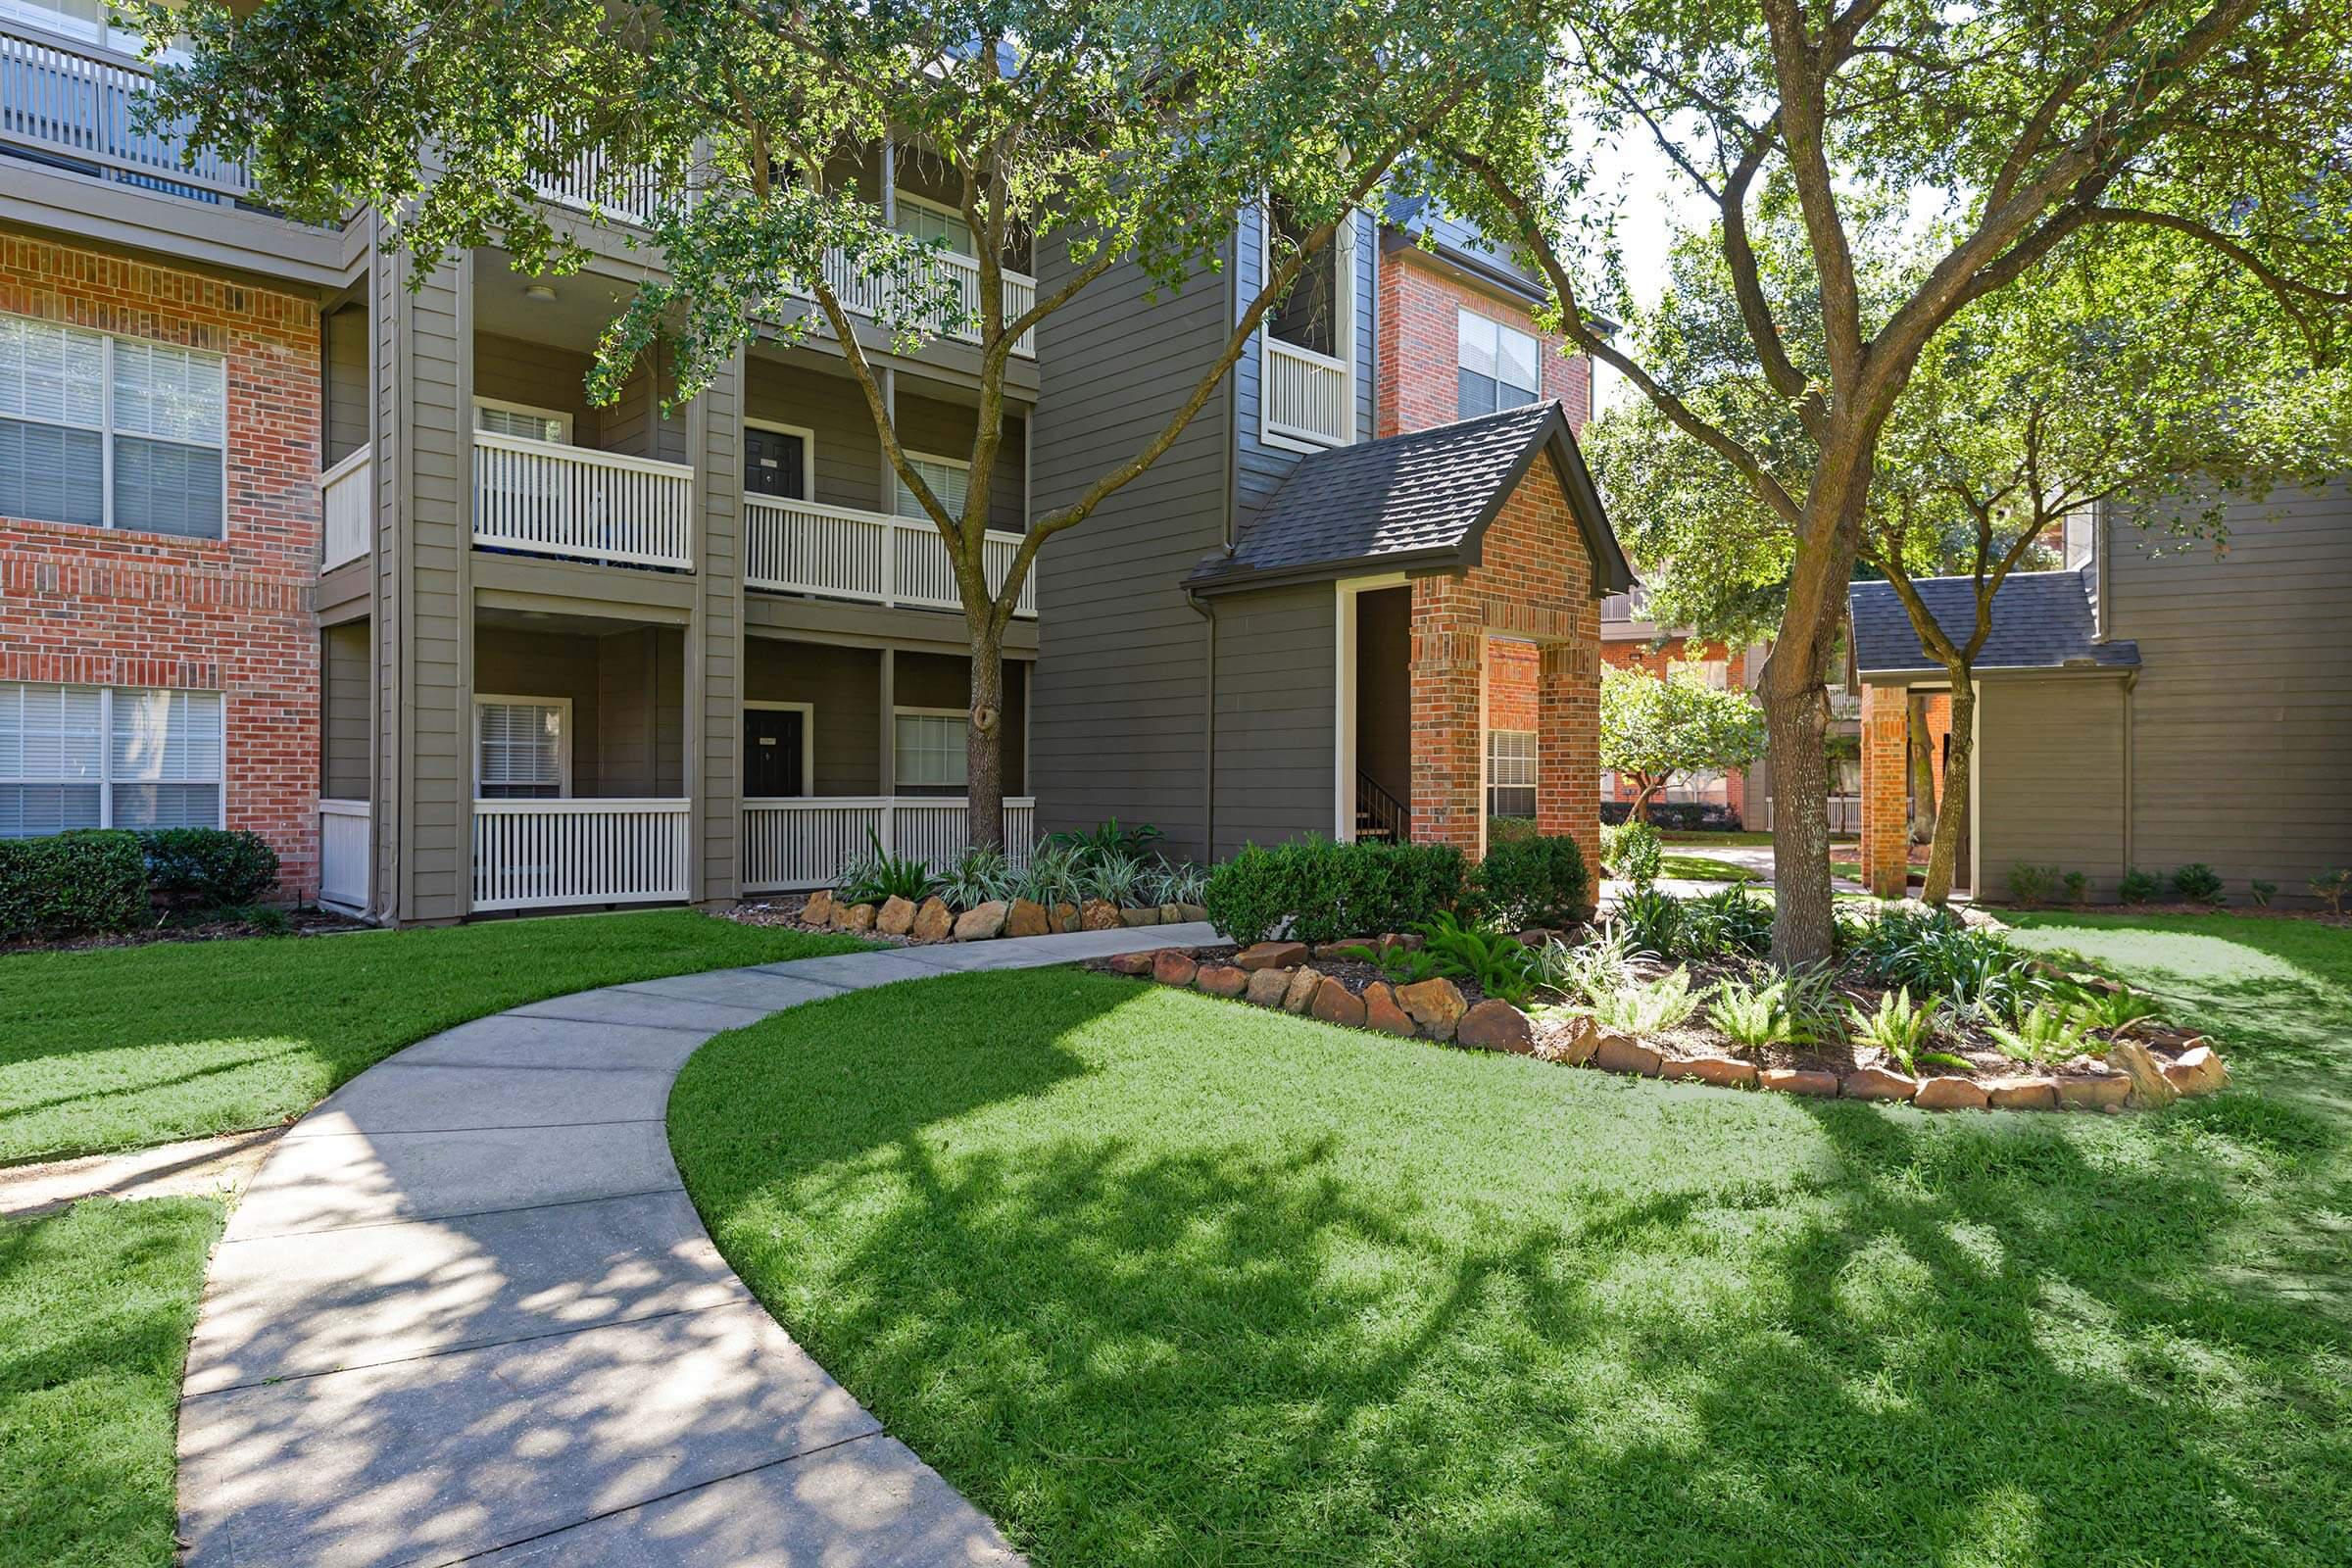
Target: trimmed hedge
1680 816
1316 890
208 868
72 884
1538 881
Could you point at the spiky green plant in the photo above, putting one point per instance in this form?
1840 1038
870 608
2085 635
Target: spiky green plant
1899 1027
2044 1035
1648 1008
1759 1014
2115 1012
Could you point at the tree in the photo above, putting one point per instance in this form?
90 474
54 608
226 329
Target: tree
1993 138
1100 134
1654 728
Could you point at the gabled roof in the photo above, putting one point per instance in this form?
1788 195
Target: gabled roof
1420 500
2041 621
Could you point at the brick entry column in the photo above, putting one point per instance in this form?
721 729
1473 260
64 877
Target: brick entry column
1568 746
1885 836
1449 675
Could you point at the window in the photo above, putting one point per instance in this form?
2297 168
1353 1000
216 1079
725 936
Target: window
1511 772
521 422
1309 316
949 480
73 757
931 223
1500 366
930 749
522 747
111 432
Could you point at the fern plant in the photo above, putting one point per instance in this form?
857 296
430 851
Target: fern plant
2115 1012
1756 1014
1497 961
2044 1035
1648 1008
1899 1027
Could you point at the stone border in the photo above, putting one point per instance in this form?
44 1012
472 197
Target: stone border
1277 974
935 921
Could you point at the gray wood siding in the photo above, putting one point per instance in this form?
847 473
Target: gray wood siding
1262 467
1120 709
640 713
2050 779
941 680
848 463
2242 716
1274 729
508 370
714 688
346 689
343 347
844 685
524 663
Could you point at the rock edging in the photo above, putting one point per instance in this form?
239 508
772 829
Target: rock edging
935 921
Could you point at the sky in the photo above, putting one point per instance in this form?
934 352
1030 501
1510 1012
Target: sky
1654 199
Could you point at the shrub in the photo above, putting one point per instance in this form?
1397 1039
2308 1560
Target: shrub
1679 816
1732 923
73 884
1509 829
208 867
2332 886
2264 893
2032 886
2138 887
978 876
1634 851
2198 883
1935 954
1321 890
874 875
1540 881
1653 921
2078 888
1497 961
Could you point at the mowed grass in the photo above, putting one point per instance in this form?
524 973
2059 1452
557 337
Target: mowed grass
1703 869
1161 1280
96 1306
120 1048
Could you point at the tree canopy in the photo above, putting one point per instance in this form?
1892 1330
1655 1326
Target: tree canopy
1654 728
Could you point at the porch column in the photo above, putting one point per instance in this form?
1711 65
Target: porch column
1448 679
1568 746
1885 847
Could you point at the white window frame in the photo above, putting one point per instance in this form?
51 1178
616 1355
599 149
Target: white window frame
506 406
107 434
807 713
1534 767
907 198
1498 326
807 464
106 780
898 482
482 700
1343 287
898 712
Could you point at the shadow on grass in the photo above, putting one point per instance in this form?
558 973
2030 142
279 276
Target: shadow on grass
1159 1281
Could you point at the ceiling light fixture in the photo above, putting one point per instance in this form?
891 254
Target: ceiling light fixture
545 293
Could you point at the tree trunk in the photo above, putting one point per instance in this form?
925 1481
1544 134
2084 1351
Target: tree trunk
1638 812
984 742
1923 768
1794 726
1952 820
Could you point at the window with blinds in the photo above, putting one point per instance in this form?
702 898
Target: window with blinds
76 756
1501 368
520 749
523 424
933 225
111 432
1511 772
930 750
949 480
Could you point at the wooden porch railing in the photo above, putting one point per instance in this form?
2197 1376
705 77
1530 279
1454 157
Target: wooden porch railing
582 503
842 553
344 857
75 100
1306 394
551 854
795 844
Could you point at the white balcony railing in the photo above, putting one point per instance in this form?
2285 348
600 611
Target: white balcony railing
73 100
794 844
593 180
1306 395
343 853
548 854
868 296
579 503
346 508
802 546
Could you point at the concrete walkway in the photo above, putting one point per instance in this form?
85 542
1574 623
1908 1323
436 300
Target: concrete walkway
467 1312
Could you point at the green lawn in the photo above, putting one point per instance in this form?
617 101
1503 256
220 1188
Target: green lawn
95 1308
119 1048
1703 869
1163 1280
1748 841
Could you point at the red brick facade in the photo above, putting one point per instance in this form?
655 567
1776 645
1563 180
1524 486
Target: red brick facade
92 606
1532 589
1885 838
1641 654
1418 382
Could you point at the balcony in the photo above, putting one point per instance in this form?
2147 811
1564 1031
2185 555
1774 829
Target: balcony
1306 395
70 102
543 854
789 845
344 853
802 546
867 297
345 504
580 504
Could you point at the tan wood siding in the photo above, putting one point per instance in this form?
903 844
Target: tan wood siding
1275 701
2050 780
714 685
346 689
343 335
508 370
843 686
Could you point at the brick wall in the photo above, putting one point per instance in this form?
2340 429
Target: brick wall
1418 382
93 606
1657 659
1885 837
1533 587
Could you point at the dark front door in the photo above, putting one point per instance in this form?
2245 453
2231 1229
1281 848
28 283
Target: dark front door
775 464
772 738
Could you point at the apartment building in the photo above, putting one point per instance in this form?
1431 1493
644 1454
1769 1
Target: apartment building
296 542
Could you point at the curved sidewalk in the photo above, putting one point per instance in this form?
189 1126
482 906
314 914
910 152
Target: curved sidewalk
467 1312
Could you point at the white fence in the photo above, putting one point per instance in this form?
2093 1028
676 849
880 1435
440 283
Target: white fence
346 506
804 548
868 295
75 100
791 844
577 502
548 853
591 181
1306 394
343 853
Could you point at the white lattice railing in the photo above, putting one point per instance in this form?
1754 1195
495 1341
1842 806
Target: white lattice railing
577 502
865 295
793 844
591 181
802 546
75 99
1306 394
346 505
550 853
343 854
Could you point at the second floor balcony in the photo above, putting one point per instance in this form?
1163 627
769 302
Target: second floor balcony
72 103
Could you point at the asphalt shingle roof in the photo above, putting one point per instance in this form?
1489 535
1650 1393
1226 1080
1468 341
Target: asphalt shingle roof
2041 621
1421 497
